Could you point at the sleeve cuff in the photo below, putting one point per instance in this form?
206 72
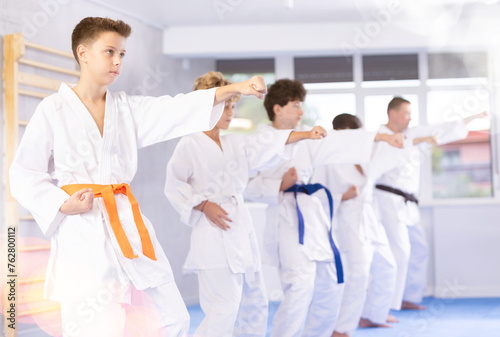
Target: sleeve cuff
216 113
190 215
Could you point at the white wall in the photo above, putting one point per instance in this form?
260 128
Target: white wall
146 71
336 38
466 251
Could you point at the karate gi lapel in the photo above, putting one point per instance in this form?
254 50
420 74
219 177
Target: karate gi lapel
81 112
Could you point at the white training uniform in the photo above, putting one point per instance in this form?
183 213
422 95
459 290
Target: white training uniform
308 275
228 263
402 220
365 248
62 145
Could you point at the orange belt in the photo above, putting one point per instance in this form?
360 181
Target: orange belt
107 192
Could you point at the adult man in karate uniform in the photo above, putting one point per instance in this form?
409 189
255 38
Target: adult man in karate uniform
395 195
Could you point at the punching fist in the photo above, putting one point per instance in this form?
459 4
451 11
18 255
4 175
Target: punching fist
254 87
352 192
289 179
80 202
317 133
396 139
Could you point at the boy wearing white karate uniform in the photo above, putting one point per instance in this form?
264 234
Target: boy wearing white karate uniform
206 177
395 195
72 170
364 245
298 236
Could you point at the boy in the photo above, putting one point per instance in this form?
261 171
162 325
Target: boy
72 170
309 270
365 248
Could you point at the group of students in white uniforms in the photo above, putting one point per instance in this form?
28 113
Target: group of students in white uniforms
212 170
209 170
75 183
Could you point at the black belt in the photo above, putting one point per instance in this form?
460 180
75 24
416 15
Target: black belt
407 196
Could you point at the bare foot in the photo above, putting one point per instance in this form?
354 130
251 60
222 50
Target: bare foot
405 305
339 334
366 323
391 319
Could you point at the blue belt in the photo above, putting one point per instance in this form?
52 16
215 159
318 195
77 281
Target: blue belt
310 189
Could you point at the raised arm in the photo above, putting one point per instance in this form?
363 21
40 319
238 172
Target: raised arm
396 139
315 133
252 87
349 146
158 119
469 119
432 140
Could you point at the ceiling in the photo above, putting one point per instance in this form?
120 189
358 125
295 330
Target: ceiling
169 13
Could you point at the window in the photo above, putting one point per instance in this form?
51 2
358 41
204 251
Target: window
376 110
320 109
250 111
245 67
390 67
446 66
463 168
456 86
324 72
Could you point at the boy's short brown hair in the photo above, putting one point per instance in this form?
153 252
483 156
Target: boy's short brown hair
282 92
89 29
346 121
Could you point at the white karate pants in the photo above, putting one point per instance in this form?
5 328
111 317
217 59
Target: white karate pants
370 279
232 305
416 278
397 233
383 271
164 314
311 300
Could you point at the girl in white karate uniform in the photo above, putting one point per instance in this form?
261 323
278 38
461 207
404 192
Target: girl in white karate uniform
308 272
98 252
206 177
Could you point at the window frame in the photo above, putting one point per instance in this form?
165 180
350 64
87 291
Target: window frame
421 90
284 68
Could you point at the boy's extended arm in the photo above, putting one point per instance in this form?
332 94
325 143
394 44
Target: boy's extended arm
315 133
252 87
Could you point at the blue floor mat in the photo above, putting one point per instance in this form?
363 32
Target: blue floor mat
477 317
